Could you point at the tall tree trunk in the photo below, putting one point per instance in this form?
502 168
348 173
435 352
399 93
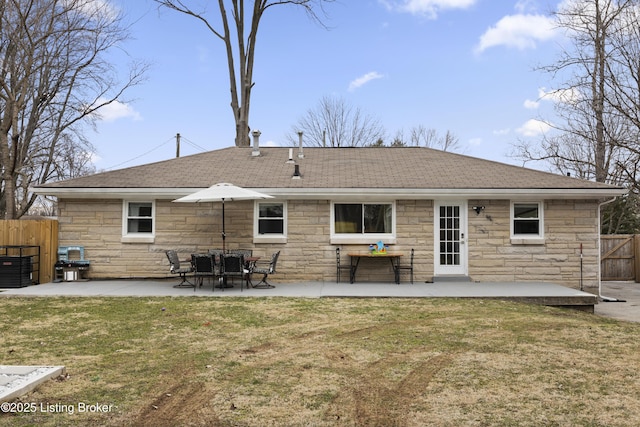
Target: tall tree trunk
241 86
598 88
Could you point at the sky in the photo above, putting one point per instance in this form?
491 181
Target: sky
469 67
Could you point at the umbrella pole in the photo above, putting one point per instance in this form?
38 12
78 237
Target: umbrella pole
224 236
224 251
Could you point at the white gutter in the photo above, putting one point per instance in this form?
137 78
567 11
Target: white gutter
347 193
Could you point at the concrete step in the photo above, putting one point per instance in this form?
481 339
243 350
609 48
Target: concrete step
456 279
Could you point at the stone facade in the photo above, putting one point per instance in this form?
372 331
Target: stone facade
493 256
308 254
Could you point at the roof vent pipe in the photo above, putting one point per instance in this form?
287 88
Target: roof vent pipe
296 172
256 143
300 153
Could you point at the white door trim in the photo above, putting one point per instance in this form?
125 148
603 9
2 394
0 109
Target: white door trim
456 263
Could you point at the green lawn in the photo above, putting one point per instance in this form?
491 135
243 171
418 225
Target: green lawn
321 362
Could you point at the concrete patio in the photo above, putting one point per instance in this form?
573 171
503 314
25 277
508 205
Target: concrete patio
538 293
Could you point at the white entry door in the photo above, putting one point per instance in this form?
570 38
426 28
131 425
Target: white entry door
450 245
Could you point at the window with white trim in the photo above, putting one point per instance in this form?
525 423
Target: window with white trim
138 219
363 219
270 222
271 218
527 220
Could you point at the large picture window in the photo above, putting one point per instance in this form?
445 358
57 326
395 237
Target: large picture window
138 219
527 219
363 218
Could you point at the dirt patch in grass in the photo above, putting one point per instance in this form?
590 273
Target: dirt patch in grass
181 402
300 362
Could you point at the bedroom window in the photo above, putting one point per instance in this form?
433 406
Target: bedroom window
270 222
270 218
139 220
527 220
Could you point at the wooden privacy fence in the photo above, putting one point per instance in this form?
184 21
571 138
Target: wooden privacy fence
43 233
620 257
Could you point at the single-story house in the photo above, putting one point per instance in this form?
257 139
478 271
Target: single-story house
463 216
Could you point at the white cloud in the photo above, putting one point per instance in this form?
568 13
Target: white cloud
533 127
475 142
531 105
95 8
362 80
525 6
566 96
117 110
429 8
518 31
499 132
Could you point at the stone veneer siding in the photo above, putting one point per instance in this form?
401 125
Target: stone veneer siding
567 224
308 254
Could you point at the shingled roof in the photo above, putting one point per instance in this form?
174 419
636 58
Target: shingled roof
422 172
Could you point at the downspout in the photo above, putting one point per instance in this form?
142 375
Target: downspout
600 205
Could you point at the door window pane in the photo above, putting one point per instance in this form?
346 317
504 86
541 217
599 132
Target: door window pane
450 235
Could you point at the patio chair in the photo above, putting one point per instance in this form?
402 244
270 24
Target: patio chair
340 267
204 266
232 266
266 270
408 268
244 252
176 268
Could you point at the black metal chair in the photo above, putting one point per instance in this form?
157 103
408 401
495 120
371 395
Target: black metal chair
176 268
266 270
217 255
232 266
408 268
340 267
204 266
244 252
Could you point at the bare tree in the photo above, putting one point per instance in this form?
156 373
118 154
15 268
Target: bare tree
597 136
421 136
593 136
240 45
54 79
336 123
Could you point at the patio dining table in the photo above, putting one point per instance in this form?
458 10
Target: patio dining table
393 257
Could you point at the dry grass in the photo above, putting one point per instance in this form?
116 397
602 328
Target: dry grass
324 362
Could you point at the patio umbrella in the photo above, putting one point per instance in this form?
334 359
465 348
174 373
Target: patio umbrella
220 193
